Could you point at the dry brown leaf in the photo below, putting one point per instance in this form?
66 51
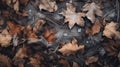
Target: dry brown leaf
72 17
5 61
70 48
5 38
91 60
96 27
118 56
38 25
64 63
49 35
75 64
93 9
30 33
22 52
14 28
16 5
24 2
34 62
48 5
8 2
111 30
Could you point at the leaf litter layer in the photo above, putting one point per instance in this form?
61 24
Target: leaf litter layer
59 33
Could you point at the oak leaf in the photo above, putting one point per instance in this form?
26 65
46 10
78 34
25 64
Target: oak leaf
48 5
5 38
72 17
70 48
93 9
111 30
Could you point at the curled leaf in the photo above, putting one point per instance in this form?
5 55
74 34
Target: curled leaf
70 48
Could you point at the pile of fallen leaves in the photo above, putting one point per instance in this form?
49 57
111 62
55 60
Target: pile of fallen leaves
59 33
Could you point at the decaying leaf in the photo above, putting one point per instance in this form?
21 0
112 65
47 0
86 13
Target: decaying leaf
5 61
14 28
111 30
75 64
31 35
24 2
34 62
118 56
5 38
22 52
93 9
64 63
72 17
48 5
91 60
95 28
49 35
38 25
70 48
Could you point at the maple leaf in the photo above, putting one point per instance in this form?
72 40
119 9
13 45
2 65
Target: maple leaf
111 30
5 38
48 5
70 48
93 9
72 17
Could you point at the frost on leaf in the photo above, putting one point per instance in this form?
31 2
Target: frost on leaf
93 9
72 17
111 30
5 38
70 48
48 5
